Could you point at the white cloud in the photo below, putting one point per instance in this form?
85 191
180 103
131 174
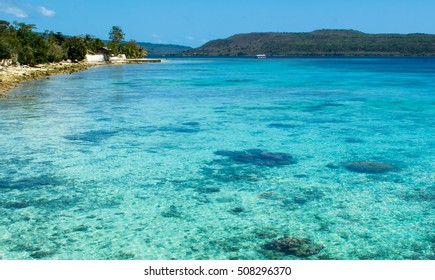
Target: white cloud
190 38
46 12
10 9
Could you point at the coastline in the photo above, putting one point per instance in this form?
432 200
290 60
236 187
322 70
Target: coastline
12 76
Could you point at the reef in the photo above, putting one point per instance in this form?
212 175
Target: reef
258 157
208 190
281 125
237 210
93 136
370 167
172 212
300 247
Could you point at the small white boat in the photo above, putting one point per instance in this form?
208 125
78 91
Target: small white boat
261 56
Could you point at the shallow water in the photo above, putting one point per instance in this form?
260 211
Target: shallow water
217 158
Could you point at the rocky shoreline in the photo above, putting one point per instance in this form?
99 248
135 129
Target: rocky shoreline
12 76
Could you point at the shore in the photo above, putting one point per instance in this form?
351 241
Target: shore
12 76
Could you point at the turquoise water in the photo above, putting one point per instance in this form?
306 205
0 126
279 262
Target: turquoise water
220 158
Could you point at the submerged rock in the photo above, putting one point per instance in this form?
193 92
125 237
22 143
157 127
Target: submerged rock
191 123
237 210
42 254
258 157
93 136
172 212
281 125
300 247
370 167
179 129
208 190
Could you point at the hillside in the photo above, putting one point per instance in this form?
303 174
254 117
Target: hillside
163 49
319 42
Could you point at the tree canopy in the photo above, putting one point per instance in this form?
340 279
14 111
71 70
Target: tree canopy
320 42
20 43
116 34
131 49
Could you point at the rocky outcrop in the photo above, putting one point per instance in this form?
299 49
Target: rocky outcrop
258 157
370 167
300 247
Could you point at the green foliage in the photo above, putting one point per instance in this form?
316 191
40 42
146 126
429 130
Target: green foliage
75 48
20 43
163 49
116 34
320 42
34 47
133 50
56 53
114 48
96 45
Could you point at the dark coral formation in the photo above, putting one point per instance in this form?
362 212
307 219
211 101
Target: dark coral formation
208 190
258 157
237 210
9 182
191 123
300 247
281 125
172 212
180 129
92 136
370 167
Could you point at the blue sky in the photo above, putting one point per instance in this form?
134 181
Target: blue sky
194 22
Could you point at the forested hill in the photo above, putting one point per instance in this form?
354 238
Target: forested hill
163 49
320 42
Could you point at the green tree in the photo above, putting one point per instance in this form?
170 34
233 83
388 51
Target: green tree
56 53
133 50
116 34
4 34
75 48
9 42
34 47
93 45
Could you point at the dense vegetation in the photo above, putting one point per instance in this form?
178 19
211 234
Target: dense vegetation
163 49
320 42
20 43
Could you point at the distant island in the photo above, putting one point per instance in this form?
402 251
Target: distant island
324 42
163 49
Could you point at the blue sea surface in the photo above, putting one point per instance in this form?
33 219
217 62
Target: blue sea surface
222 158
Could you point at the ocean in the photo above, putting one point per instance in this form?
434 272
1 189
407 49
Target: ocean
222 158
